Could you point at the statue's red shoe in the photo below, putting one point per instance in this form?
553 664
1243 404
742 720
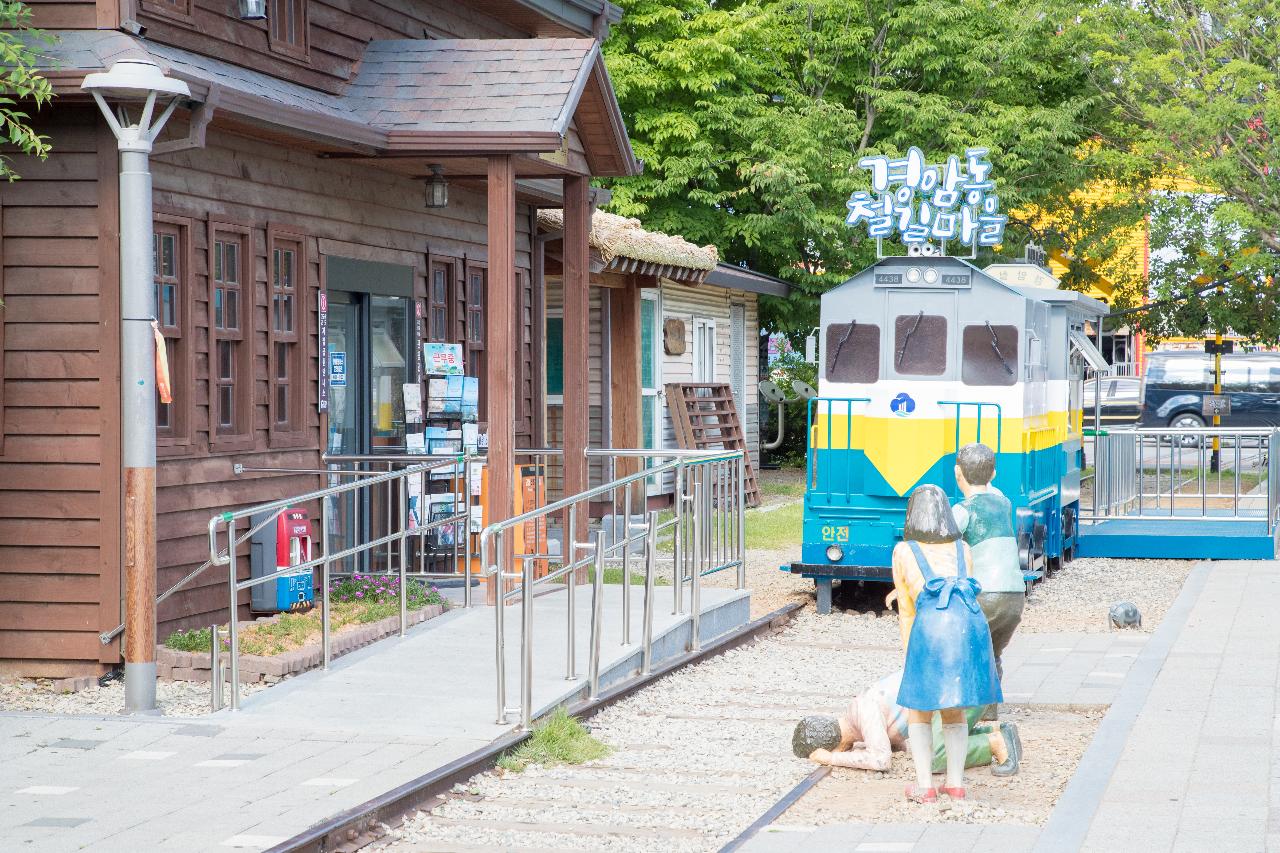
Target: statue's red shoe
953 793
921 795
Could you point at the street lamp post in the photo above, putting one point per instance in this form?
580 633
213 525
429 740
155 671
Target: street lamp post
133 81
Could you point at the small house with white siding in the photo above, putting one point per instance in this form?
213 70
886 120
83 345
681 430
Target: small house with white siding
698 322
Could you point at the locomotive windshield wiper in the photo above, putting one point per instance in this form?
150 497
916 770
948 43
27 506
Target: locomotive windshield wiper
907 338
996 347
835 357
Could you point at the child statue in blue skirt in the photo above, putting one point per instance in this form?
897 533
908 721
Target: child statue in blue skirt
950 665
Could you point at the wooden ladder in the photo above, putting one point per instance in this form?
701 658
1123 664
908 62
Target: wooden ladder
705 418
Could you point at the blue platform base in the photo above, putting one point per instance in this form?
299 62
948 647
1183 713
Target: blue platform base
1156 538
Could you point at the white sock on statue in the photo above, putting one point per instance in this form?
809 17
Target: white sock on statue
920 737
955 737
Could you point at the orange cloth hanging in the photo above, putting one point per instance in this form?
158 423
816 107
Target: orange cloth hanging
162 366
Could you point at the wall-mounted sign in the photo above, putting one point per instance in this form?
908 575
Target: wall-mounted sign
920 203
323 403
337 369
673 336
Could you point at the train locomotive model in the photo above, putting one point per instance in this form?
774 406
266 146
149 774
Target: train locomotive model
920 355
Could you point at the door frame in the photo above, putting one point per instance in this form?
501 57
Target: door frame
659 415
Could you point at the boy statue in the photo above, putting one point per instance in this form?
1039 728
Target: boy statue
866 735
985 519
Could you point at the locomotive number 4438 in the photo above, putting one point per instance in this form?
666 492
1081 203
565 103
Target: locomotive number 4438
832 533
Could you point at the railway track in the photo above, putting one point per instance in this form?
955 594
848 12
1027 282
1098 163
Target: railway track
697 757
699 751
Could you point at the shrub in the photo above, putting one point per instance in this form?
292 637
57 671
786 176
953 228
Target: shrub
384 589
195 640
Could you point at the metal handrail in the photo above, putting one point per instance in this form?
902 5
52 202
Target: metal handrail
701 545
1145 472
271 510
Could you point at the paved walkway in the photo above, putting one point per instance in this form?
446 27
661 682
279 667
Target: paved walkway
306 749
1185 759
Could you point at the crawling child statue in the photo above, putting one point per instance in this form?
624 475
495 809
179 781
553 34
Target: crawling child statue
865 736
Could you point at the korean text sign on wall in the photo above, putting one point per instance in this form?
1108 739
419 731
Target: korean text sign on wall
921 203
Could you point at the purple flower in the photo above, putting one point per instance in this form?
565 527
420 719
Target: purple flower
359 595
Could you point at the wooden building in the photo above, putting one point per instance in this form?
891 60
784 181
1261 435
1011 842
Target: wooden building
698 322
296 170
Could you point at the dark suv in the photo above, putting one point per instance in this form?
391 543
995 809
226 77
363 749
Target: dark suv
1175 383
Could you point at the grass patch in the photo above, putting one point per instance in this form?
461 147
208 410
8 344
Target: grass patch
783 488
195 640
559 739
358 600
779 528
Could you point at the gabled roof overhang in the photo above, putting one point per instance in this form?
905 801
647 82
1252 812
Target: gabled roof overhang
410 97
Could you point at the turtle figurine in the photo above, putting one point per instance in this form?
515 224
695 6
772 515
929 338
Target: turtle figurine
1124 614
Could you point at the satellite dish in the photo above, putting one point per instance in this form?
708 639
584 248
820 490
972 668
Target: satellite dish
771 392
804 389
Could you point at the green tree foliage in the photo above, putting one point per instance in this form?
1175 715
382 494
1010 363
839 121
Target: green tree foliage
20 83
751 116
1193 91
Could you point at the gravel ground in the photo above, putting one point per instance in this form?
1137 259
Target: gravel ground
1078 597
175 698
770 587
1053 742
696 756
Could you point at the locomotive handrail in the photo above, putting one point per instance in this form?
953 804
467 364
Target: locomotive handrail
848 438
979 405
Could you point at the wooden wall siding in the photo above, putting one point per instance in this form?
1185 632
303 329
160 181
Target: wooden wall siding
684 303
61 15
59 486
340 207
338 31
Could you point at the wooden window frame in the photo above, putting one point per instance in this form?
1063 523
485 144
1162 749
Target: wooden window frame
294 432
177 440
240 437
447 266
300 51
473 354
183 13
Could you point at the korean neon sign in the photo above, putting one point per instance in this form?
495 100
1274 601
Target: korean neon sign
920 203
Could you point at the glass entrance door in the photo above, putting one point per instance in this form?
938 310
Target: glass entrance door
371 353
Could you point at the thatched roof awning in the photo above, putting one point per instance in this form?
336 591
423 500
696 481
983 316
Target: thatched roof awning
626 247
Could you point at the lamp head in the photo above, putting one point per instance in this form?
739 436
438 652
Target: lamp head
134 80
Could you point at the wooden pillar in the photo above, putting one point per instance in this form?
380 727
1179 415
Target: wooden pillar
577 259
624 381
500 347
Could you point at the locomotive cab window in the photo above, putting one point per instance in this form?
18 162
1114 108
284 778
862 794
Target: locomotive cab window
920 344
989 355
853 352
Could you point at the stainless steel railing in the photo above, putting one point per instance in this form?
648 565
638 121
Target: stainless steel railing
1222 474
400 528
707 535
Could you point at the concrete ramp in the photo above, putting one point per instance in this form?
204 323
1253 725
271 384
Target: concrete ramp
439 680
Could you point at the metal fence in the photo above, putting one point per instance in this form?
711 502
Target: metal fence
706 535
1187 474
398 532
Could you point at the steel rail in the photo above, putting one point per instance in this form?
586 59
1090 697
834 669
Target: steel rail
360 826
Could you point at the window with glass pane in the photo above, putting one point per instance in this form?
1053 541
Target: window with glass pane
475 309
229 414
438 305
166 257
920 344
285 273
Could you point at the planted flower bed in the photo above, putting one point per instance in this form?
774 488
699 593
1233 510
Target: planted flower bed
362 610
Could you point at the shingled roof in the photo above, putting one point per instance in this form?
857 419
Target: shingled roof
525 85
436 96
